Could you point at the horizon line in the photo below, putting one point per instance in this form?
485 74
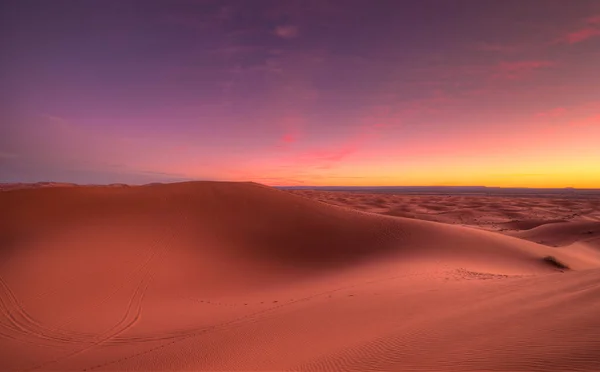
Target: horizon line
307 186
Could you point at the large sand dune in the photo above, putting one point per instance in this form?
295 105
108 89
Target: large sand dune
239 276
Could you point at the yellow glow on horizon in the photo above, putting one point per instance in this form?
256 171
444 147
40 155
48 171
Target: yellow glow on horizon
539 173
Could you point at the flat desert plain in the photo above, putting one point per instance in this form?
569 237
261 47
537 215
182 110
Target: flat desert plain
215 276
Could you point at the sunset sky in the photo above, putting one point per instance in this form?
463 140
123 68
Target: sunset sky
282 92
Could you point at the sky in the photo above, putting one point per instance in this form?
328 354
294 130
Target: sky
285 92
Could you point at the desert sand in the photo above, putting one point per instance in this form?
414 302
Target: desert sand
240 276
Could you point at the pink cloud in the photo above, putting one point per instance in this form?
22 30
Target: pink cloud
335 155
303 160
581 35
293 127
593 20
591 30
321 158
289 138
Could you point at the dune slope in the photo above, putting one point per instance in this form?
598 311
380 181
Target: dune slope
562 233
226 276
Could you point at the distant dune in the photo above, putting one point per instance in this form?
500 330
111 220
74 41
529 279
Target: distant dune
18 186
465 190
37 185
563 233
240 276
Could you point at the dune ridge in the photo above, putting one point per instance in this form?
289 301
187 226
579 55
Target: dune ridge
240 276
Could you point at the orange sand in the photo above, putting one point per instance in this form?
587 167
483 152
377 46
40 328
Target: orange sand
239 276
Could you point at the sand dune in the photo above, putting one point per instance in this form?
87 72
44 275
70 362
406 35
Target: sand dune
239 276
562 233
499 212
20 186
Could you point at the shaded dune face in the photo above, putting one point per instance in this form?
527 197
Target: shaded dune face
563 233
246 221
237 223
239 276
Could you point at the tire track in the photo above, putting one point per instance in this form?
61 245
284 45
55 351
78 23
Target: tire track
250 318
127 322
134 306
25 325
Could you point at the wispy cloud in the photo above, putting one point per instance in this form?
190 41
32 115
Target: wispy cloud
589 29
593 20
331 156
322 157
581 35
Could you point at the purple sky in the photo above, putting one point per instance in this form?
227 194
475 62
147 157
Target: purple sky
345 92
